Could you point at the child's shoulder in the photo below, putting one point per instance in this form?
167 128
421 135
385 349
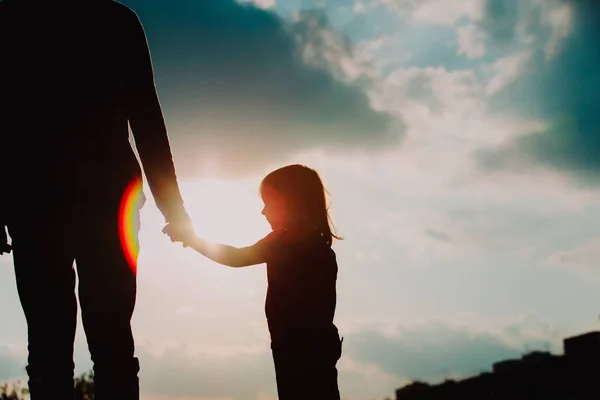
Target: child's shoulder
275 236
275 239
282 238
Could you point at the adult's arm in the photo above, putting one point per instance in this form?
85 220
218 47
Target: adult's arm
148 126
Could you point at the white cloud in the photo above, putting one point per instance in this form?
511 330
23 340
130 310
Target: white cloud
560 20
323 47
493 23
445 12
432 96
536 23
471 41
264 4
506 70
359 7
438 12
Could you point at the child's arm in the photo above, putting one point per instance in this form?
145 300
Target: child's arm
223 254
228 255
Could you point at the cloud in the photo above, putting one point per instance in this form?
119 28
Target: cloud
265 4
438 12
436 350
444 12
242 88
555 82
471 41
440 91
506 70
359 7
492 26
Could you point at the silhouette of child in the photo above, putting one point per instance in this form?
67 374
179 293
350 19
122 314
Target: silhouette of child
301 274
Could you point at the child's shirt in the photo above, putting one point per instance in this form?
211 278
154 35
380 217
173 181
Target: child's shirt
301 294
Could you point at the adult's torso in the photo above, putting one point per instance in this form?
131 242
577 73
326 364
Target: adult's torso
64 97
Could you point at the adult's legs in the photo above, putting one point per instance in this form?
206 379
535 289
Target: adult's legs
46 285
107 291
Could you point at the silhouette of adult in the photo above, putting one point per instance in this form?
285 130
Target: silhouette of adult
73 75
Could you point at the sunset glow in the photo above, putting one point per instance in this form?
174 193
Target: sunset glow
225 211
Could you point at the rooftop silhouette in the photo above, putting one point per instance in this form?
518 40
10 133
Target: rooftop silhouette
536 375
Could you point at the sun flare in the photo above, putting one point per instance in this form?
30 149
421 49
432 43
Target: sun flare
225 211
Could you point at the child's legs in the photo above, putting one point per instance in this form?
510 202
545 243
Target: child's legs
307 372
296 382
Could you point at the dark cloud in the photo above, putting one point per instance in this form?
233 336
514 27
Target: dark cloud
238 91
563 91
435 351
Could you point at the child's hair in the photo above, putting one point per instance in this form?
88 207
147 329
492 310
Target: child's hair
305 194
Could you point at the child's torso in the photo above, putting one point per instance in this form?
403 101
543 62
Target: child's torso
301 297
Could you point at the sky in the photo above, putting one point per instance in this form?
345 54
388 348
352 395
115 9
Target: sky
459 141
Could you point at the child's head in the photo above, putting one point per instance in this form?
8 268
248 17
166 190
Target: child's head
294 196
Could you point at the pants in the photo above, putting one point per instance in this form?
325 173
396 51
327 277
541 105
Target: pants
307 371
45 245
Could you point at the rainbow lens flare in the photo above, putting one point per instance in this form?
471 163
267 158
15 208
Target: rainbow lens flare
129 222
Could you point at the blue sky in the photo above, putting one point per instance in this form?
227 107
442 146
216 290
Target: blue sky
459 141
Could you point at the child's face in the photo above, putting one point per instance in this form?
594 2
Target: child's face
275 209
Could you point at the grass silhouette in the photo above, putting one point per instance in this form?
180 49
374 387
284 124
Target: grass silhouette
84 389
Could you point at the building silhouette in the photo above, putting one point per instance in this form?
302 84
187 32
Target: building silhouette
575 375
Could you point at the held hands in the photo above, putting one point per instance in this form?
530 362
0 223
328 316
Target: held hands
180 232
